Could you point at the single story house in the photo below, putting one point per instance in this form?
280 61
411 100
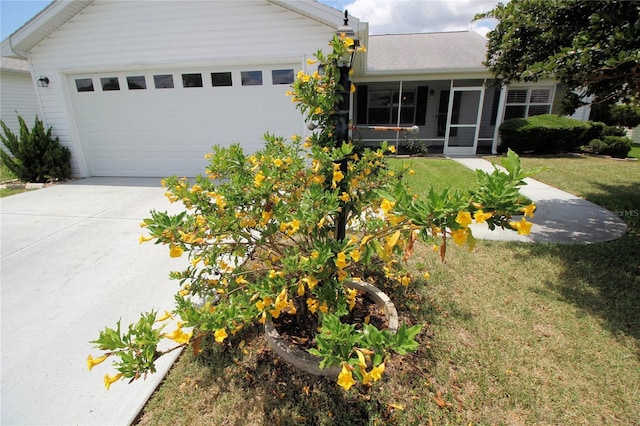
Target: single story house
17 94
146 88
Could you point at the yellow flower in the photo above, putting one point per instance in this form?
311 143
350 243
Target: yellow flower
355 255
405 280
459 236
464 219
348 42
482 217
220 334
278 162
312 305
351 297
427 275
164 317
311 61
179 336
523 227
341 261
261 304
387 206
144 239
344 197
92 362
528 210
345 378
392 149
109 380
392 241
376 372
311 282
294 226
301 288
175 251
353 88
259 179
337 177
318 110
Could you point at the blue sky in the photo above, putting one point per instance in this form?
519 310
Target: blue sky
384 16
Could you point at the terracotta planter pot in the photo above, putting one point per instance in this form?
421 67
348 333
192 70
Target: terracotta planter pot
303 360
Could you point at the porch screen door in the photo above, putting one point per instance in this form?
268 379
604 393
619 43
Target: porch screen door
463 122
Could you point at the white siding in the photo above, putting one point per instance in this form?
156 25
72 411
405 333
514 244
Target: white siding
17 96
141 35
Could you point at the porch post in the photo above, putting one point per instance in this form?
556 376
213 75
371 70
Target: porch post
499 115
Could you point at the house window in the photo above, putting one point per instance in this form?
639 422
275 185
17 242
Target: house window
192 80
251 78
137 82
109 83
527 102
219 79
84 85
282 76
163 81
384 106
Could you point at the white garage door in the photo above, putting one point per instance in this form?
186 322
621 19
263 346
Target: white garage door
159 123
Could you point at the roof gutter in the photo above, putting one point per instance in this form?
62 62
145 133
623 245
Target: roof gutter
408 71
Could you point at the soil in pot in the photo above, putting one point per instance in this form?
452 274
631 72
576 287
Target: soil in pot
365 311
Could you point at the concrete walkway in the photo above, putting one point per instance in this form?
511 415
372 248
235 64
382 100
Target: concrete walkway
560 217
71 265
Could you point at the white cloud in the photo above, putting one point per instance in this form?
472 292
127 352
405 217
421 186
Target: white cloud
416 16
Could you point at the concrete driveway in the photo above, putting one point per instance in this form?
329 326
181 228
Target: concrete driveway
71 264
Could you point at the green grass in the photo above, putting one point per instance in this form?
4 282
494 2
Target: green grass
7 176
635 152
439 173
514 334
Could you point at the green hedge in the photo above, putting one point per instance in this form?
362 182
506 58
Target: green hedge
543 134
34 155
615 146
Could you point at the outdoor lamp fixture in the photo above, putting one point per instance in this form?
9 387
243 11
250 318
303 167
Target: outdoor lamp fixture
342 112
43 82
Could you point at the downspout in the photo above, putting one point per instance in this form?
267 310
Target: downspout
11 47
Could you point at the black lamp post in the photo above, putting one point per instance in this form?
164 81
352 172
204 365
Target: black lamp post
342 112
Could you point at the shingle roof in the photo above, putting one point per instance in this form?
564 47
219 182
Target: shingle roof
426 51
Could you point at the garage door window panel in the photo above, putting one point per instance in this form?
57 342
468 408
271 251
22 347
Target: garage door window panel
109 84
84 85
282 76
221 79
191 80
136 82
163 81
251 78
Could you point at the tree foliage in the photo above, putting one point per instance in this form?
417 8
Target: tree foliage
590 46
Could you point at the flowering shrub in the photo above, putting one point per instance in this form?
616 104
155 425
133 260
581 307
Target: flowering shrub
260 234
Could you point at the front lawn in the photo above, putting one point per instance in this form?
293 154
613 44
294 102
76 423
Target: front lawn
513 334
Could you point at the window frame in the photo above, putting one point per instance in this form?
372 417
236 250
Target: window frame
527 104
